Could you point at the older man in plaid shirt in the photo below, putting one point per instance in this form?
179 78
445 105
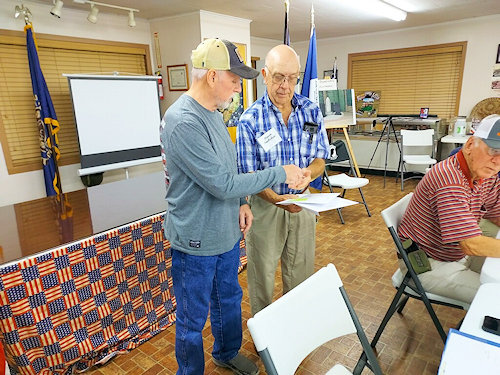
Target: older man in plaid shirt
280 128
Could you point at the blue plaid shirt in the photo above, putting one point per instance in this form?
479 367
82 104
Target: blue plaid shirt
294 147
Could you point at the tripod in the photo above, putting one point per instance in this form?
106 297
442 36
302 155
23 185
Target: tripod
388 126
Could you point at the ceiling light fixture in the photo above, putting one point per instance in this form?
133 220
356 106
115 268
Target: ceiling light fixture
131 19
57 8
93 10
92 17
387 10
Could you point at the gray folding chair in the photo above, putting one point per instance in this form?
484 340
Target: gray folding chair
408 285
338 153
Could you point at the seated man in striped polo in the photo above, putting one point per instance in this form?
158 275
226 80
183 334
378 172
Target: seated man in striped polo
443 215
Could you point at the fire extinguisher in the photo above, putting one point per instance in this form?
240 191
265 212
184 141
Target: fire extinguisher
160 85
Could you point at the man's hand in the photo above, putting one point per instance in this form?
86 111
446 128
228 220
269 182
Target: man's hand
297 178
288 207
246 218
306 179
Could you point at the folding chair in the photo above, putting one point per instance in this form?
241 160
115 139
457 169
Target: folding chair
314 312
408 285
337 153
416 138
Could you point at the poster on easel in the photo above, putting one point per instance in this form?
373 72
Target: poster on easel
367 103
337 106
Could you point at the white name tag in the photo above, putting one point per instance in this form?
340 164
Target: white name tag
269 139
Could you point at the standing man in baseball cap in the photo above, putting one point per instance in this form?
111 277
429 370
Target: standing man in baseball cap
207 212
444 212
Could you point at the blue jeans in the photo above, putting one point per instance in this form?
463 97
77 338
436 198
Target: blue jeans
202 283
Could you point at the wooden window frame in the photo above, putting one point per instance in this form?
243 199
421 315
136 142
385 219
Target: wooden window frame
18 38
413 51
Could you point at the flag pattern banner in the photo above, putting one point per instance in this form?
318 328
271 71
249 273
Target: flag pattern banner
310 82
46 118
286 34
83 303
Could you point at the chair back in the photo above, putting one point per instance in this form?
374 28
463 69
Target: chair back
392 215
337 152
314 312
417 137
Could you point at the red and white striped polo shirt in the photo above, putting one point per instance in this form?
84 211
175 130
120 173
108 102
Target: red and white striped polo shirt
446 208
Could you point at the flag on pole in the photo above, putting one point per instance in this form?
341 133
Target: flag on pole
310 83
286 34
48 126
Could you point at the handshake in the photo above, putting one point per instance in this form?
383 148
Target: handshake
297 178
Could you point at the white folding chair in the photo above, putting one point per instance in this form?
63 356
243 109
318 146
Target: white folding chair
337 153
416 138
314 312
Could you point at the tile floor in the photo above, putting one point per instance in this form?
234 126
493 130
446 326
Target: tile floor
363 253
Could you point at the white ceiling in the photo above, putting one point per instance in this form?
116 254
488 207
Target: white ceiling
333 18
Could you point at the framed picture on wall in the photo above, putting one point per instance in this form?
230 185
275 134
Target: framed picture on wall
498 54
178 79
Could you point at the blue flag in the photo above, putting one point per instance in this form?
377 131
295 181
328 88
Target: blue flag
310 85
48 126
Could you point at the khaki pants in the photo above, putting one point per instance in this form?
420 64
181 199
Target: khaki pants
278 234
458 280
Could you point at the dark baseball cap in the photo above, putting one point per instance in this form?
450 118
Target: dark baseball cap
220 54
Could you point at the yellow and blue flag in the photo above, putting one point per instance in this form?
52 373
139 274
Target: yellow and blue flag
48 126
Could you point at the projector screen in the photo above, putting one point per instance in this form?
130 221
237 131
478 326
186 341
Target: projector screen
117 120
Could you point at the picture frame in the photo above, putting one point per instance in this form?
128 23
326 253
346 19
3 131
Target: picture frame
424 112
178 79
498 55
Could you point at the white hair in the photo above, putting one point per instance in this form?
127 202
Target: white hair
198 73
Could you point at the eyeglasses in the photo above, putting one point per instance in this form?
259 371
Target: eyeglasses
279 78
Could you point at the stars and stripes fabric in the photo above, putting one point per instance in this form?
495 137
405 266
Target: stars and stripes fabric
447 207
81 304
46 118
286 33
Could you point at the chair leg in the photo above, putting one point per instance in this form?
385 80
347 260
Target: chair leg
402 176
364 202
390 312
339 211
402 304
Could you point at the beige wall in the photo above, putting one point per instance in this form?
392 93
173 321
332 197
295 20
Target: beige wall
480 33
178 36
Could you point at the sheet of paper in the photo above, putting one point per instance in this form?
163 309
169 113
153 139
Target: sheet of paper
319 202
466 354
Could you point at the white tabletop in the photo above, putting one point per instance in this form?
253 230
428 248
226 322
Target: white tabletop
490 272
455 139
486 302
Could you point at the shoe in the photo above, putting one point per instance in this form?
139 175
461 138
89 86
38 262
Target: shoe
240 365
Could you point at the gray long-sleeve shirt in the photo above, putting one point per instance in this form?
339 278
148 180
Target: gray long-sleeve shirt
205 190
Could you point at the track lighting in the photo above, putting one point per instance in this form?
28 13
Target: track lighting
56 9
92 17
131 19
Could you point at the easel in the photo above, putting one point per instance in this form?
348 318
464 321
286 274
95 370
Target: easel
348 142
388 126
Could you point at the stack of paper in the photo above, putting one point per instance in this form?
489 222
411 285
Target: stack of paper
319 202
465 354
